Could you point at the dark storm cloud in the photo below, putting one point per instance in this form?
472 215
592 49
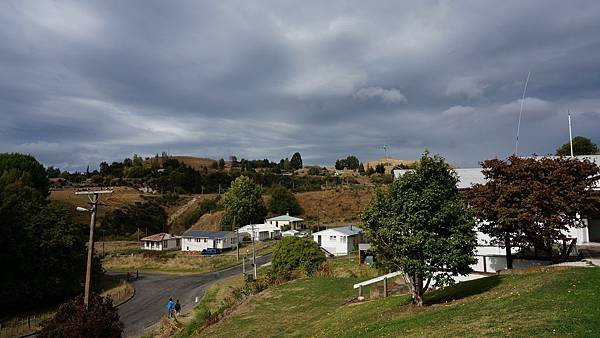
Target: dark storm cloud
84 82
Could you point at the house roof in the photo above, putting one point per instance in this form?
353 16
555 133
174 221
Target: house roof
259 227
348 230
286 217
158 237
206 234
466 177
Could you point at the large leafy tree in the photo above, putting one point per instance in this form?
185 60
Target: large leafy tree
282 200
296 161
243 203
422 227
532 202
581 146
42 246
126 221
25 168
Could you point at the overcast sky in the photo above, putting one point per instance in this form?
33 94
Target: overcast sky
82 82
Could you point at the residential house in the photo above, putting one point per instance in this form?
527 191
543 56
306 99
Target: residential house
261 232
198 240
287 222
339 241
161 242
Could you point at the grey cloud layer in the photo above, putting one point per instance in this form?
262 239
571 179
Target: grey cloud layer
89 81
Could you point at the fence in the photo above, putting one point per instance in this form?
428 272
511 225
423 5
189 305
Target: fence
26 325
22 326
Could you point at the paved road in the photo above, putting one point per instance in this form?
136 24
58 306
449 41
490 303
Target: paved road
153 290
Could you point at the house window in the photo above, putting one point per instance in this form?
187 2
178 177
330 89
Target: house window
332 238
205 240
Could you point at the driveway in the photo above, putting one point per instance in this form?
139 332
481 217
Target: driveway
152 291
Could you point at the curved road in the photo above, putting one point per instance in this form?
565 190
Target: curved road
152 291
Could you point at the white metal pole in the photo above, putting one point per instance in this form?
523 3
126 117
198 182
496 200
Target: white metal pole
520 114
570 134
253 252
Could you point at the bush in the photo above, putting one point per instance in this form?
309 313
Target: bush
73 320
295 253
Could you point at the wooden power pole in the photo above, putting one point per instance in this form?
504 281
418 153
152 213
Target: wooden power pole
93 197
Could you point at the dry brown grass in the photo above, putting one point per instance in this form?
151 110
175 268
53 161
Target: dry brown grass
120 197
111 247
169 262
334 207
209 222
389 163
194 162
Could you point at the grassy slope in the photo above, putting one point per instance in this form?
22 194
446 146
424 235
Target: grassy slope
548 302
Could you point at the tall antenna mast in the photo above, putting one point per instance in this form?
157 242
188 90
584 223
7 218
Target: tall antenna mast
570 134
520 114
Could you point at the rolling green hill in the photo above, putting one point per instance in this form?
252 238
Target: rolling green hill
547 302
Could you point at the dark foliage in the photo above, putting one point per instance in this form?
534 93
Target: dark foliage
282 201
581 146
293 253
350 162
25 168
126 221
72 319
296 161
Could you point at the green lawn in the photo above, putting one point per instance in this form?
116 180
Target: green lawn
555 301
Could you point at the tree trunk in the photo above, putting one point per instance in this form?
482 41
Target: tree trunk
509 260
417 290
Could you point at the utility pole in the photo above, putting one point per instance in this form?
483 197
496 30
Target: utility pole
237 233
253 253
93 196
570 134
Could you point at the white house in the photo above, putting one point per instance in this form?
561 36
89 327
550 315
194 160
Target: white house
293 233
198 240
339 241
287 222
261 232
161 242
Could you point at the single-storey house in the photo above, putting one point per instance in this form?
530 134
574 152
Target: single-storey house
198 240
261 232
287 222
161 242
339 241
293 233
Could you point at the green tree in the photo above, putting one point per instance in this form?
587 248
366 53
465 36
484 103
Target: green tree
282 201
221 164
422 227
72 319
293 253
296 161
142 216
25 168
380 168
581 146
243 204
361 169
533 202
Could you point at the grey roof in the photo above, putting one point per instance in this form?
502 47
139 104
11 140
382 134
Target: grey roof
466 177
285 218
348 230
206 234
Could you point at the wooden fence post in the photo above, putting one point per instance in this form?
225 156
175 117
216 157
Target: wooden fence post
385 288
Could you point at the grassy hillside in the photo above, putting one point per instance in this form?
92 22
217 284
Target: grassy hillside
555 301
335 206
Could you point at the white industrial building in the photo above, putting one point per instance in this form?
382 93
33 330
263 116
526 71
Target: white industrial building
161 242
339 241
260 232
198 240
491 258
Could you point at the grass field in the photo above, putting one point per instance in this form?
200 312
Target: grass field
176 261
547 302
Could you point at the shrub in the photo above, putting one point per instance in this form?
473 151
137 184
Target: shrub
283 201
72 319
295 253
